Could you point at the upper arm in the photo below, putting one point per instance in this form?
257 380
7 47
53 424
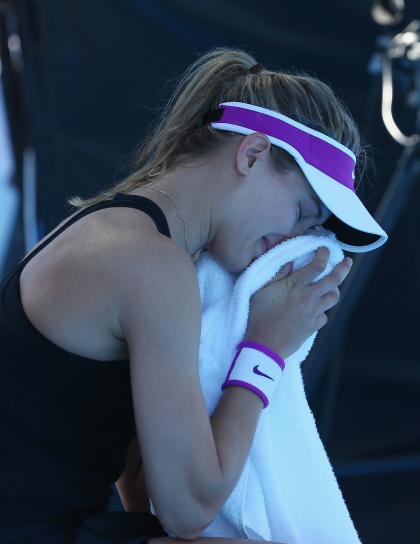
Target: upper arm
160 316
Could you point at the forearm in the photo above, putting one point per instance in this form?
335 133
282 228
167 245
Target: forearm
234 422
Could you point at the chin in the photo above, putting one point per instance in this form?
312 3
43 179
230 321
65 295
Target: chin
227 262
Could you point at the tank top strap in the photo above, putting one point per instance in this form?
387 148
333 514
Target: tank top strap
145 204
120 200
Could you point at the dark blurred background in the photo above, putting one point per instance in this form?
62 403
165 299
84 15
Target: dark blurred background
81 83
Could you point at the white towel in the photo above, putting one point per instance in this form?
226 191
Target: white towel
287 491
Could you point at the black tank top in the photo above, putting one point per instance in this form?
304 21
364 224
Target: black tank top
65 420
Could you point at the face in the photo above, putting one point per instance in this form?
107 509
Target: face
292 207
270 204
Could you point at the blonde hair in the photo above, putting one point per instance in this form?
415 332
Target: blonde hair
222 75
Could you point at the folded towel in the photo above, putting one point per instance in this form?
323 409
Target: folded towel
287 491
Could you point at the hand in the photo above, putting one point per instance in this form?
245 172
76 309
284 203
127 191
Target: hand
143 503
131 485
290 308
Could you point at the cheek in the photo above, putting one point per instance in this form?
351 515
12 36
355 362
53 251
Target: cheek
290 219
283 220
271 212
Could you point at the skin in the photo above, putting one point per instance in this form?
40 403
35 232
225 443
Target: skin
234 197
230 200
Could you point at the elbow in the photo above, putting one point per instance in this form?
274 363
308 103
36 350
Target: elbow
192 533
189 526
187 532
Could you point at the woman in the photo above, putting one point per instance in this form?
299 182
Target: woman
101 322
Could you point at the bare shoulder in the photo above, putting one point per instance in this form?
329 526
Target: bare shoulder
152 272
99 264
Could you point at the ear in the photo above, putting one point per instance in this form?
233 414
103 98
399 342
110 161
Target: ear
253 147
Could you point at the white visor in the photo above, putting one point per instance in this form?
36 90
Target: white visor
328 166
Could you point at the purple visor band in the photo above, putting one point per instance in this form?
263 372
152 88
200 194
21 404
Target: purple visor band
315 151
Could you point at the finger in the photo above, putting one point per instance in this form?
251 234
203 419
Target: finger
344 270
313 269
321 320
284 271
330 299
334 278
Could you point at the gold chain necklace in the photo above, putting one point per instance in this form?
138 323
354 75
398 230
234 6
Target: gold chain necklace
179 215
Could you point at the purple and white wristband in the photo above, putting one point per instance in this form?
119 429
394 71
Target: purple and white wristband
257 368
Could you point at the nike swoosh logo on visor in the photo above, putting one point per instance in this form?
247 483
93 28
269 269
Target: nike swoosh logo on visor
256 371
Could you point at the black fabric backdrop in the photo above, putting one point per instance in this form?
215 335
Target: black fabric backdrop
96 74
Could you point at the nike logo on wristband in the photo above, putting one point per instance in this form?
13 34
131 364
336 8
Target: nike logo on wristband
256 371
